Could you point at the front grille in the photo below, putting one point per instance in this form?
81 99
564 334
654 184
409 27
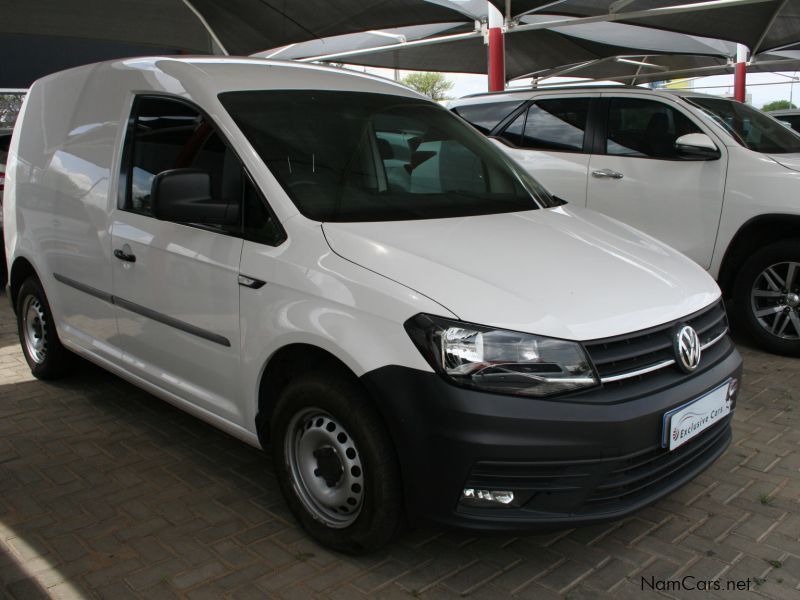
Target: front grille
595 486
639 353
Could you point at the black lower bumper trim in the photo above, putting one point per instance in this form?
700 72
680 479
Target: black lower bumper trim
602 461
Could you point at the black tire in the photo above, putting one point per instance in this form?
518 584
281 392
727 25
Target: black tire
55 361
3 268
380 515
744 310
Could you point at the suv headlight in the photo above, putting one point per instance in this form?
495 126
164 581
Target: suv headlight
499 360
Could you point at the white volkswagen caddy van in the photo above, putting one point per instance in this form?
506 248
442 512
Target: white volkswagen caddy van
331 266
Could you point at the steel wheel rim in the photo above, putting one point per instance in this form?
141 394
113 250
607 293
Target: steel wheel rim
325 467
775 300
34 329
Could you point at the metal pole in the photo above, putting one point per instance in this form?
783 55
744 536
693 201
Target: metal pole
740 74
497 66
217 44
497 52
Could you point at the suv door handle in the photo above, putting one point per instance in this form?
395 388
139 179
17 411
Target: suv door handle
607 174
124 256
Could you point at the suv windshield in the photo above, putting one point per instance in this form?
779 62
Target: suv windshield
355 156
750 127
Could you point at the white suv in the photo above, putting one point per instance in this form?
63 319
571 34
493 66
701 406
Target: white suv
331 264
716 179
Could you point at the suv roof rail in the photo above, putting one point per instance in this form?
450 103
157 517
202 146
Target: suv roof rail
557 88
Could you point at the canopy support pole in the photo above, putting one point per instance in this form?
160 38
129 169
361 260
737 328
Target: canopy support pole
497 50
740 74
497 60
219 48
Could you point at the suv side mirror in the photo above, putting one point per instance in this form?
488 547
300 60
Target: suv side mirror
696 146
184 196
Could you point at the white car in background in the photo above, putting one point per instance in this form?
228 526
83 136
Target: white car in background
789 116
714 178
5 141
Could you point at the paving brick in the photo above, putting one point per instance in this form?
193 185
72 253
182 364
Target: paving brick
197 575
155 573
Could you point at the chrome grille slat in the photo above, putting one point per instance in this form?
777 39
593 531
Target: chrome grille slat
640 353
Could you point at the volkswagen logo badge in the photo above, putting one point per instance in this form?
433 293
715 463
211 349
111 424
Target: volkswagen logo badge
687 348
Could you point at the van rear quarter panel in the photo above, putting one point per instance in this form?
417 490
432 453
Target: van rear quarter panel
64 183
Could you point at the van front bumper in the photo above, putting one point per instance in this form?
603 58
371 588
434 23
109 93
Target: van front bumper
584 458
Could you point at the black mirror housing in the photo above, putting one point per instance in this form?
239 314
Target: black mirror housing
184 196
697 153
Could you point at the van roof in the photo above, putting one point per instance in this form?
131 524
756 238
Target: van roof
218 74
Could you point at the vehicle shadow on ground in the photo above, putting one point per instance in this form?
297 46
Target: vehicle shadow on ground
100 480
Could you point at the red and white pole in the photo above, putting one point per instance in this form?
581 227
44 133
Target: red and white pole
497 60
740 74
497 51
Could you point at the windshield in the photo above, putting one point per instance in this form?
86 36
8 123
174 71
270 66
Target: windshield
354 156
750 127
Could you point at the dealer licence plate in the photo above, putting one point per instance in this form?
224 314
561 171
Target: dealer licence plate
689 420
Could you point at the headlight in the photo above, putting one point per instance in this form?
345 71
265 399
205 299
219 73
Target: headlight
498 360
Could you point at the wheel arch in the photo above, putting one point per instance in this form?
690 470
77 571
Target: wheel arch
288 362
20 271
754 234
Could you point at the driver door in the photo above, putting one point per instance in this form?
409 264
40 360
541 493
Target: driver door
175 285
637 176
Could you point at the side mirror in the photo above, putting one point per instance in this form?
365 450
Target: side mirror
696 146
184 196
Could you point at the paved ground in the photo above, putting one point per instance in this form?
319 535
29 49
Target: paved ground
106 491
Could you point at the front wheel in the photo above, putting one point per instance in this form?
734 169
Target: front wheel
766 297
43 351
335 464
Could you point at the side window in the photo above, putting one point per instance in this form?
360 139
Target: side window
163 135
645 128
557 124
794 121
513 131
487 116
166 134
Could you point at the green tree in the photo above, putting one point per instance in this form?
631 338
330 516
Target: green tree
777 105
9 107
433 85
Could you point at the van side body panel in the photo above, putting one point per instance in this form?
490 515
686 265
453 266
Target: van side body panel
64 183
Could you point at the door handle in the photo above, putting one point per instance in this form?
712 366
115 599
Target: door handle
251 282
124 256
606 174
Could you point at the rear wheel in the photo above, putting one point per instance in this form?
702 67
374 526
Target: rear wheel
767 297
335 463
43 351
